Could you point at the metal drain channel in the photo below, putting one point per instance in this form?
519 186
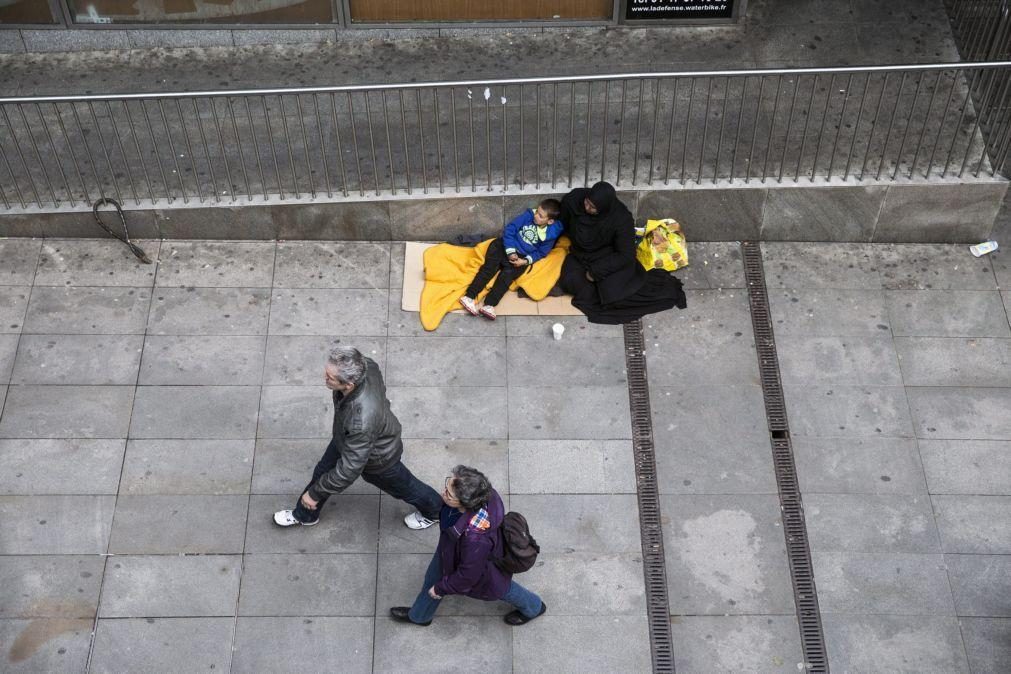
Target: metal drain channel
798 552
651 532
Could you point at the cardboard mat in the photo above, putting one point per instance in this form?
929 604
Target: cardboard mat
511 305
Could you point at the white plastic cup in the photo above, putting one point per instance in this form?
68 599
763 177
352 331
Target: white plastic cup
557 329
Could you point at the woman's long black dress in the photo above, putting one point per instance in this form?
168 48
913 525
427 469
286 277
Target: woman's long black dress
603 246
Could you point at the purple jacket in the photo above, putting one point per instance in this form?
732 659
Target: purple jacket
466 550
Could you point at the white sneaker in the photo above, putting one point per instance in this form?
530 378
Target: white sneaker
469 304
286 518
417 521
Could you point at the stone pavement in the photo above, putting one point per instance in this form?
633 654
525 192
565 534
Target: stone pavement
157 415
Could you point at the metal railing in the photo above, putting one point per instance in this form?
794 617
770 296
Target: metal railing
861 125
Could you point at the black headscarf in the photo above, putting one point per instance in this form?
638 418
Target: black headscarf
591 232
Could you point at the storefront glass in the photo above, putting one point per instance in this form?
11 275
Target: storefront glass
201 11
385 11
25 11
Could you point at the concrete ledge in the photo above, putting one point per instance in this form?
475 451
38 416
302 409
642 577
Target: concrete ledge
944 213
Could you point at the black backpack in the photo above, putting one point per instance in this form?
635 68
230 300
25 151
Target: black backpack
519 549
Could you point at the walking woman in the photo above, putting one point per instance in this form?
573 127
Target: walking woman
601 273
469 541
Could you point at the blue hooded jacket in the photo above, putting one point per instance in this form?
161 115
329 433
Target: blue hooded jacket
523 237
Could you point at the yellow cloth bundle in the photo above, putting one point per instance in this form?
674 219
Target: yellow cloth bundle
663 246
450 269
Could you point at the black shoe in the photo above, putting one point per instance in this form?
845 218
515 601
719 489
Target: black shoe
516 618
400 614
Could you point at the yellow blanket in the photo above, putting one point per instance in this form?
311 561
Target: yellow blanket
450 269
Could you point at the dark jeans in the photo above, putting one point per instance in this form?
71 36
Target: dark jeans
495 262
397 481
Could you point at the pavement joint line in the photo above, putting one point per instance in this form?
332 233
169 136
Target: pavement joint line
812 638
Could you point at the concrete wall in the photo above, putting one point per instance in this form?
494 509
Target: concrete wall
943 213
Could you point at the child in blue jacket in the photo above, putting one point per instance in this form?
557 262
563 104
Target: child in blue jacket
524 241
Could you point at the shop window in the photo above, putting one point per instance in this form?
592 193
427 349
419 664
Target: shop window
201 11
384 11
25 11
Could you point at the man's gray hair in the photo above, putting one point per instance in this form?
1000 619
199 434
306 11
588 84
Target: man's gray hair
350 364
470 487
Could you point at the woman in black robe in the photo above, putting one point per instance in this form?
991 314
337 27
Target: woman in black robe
601 272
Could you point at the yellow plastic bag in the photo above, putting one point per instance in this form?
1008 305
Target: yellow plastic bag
663 246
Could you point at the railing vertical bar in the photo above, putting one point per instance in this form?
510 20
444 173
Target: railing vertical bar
505 138
59 159
737 132
438 140
670 129
154 145
221 144
189 150
940 127
572 129
1000 104
421 136
523 135
14 181
589 112
966 102
604 121
705 129
926 119
207 150
772 127
456 144
621 131
824 118
38 155
256 147
909 123
754 132
838 128
273 150
891 123
487 135
21 156
322 147
105 153
856 127
638 130
723 126
688 123
1001 156
807 120
473 151
340 147
91 162
305 146
789 128
389 145
287 146
554 134
874 124
358 153
656 122
372 143
976 126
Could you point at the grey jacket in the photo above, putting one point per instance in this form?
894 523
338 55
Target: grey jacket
367 431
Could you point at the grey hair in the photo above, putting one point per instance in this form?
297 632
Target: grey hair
471 487
350 364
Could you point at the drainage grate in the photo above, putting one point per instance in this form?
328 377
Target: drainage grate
657 607
805 594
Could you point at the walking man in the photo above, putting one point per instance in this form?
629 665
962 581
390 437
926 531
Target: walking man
366 441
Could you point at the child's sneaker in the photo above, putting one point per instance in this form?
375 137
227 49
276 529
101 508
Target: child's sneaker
488 312
470 305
